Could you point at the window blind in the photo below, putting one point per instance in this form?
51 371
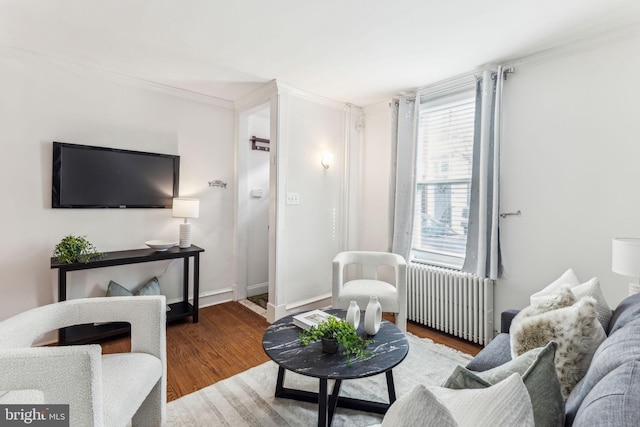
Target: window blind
443 178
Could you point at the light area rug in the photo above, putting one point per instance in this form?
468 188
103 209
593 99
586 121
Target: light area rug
247 399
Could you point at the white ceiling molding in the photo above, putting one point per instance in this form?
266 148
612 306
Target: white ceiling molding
257 97
161 88
301 93
262 94
174 91
114 76
578 47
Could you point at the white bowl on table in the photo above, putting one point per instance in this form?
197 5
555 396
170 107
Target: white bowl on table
160 245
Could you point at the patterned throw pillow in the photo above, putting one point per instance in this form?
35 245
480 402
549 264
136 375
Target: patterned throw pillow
575 328
589 288
537 370
504 404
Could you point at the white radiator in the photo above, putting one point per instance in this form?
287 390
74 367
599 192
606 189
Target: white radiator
456 303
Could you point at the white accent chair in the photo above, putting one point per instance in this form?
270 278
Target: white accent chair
109 390
392 296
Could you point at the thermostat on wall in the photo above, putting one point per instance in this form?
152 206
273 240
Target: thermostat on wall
257 192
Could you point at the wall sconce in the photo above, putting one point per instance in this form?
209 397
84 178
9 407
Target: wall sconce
326 160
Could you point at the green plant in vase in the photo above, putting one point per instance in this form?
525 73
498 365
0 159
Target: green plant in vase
355 347
75 249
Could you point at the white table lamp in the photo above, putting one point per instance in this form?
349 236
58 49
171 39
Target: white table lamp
625 259
185 208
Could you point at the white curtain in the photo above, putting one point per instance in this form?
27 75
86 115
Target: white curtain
404 127
483 248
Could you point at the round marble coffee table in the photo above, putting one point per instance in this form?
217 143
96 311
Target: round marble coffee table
282 344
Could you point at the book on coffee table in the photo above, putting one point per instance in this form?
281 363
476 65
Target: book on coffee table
310 318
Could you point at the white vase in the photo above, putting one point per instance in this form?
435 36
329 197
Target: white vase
372 316
353 314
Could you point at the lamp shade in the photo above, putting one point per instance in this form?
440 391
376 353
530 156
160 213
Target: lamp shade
186 208
625 256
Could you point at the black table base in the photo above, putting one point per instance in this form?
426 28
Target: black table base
327 403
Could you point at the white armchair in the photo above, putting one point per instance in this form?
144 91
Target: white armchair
392 296
109 390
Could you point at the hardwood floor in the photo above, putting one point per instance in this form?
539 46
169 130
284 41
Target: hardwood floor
228 340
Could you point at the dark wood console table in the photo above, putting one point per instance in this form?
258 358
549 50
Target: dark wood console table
179 310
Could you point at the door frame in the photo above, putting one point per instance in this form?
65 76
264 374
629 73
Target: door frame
244 108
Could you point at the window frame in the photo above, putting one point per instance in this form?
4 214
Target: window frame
463 90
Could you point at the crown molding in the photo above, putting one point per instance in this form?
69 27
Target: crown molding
262 95
257 97
300 93
577 47
120 78
170 90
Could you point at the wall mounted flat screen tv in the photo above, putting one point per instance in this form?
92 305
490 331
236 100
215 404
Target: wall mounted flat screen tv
98 177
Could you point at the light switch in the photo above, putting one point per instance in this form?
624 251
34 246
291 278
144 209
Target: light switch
293 198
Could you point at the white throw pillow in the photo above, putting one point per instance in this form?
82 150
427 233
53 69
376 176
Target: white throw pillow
506 403
538 372
567 278
574 328
590 288
563 297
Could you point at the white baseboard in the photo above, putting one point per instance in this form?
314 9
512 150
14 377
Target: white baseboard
216 298
260 288
210 298
277 312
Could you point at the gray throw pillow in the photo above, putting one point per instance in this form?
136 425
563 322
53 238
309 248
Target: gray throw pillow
151 287
116 290
537 369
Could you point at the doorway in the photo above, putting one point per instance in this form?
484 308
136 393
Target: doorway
254 159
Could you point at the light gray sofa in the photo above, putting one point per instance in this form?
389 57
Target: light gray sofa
609 393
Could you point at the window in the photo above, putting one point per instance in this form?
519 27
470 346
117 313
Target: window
443 178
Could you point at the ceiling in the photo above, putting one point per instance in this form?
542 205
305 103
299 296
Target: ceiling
357 51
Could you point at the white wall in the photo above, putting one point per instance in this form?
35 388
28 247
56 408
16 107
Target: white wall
569 163
44 101
375 180
312 233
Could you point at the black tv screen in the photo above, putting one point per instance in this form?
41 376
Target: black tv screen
98 177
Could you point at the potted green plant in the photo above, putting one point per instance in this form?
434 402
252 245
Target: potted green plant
335 331
75 249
